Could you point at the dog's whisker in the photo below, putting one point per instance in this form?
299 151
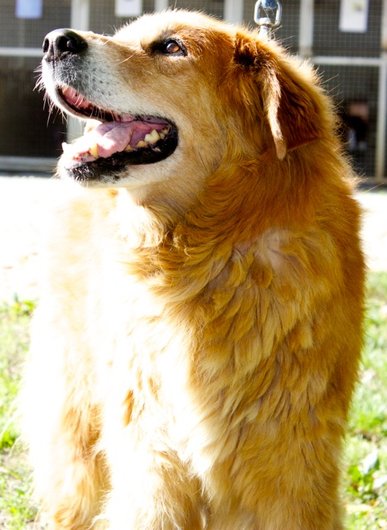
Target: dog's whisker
126 59
39 85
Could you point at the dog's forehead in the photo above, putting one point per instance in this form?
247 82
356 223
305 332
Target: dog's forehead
151 27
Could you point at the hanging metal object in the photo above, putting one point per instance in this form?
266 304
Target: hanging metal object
267 15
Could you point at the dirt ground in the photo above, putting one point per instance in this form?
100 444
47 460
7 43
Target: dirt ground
24 202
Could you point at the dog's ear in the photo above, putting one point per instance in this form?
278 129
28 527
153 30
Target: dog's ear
288 102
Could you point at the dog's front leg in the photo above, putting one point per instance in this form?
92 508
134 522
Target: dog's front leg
61 428
151 488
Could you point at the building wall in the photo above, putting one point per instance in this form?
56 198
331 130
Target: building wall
29 130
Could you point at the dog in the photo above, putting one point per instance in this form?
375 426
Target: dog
198 334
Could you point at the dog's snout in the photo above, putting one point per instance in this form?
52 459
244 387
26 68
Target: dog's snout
63 42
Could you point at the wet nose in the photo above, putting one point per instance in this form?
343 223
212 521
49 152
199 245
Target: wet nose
61 43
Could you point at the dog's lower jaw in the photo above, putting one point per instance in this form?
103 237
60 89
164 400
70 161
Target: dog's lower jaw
110 169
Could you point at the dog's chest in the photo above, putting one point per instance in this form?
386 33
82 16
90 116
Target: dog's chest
136 345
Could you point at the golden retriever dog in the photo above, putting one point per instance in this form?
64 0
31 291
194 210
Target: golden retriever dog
198 335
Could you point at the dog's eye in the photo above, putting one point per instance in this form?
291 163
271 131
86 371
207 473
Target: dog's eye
173 47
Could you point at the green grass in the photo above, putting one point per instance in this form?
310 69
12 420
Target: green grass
365 480
16 510
366 448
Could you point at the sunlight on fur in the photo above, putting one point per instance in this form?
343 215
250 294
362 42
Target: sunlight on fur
198 335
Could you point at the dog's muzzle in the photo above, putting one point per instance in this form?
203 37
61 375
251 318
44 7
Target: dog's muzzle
116 139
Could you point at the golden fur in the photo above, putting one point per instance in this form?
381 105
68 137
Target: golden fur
197 340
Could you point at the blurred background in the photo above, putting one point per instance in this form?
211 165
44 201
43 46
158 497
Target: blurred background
345 39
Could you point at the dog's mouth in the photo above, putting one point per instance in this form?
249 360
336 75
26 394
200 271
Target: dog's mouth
113 140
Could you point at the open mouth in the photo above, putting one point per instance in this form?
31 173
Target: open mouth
113 140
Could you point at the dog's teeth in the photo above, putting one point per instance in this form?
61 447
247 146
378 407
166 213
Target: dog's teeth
141 143
93 150
152 137
128 148
164 132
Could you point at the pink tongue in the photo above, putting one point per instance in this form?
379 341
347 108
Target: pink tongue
114 137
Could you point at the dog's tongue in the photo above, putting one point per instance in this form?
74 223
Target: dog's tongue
112 137
109 138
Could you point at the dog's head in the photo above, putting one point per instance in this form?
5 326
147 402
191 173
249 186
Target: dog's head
173 95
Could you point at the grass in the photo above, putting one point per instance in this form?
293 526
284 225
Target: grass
366 448
16 510
365 479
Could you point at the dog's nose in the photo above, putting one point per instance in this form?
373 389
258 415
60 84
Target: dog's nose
61 43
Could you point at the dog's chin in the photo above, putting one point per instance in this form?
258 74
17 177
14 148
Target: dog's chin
113 169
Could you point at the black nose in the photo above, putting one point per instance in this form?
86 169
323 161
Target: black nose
61 43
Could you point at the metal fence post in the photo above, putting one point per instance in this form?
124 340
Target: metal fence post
233 11
305 39
381 126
